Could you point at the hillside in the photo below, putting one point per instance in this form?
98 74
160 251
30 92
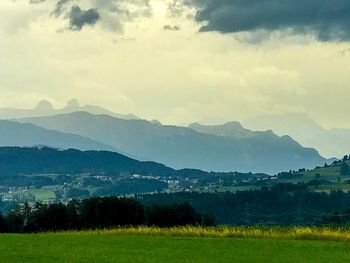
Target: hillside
26 134
15 160
328 177
46 174
329 142
181 147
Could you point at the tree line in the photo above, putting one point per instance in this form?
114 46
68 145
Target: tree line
98 213
280 204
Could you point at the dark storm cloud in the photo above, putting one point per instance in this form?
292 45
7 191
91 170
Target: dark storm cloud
60 5
328 20
111 14
79 18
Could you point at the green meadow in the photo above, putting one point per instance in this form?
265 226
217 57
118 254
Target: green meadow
180 245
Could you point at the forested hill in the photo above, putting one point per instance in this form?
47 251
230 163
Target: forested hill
16 160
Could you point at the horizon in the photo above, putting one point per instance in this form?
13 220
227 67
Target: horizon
75 103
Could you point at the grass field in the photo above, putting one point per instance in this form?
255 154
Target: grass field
179 245
43 194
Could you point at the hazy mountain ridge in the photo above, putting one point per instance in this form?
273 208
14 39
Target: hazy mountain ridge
230 129
329 142
45 108
26 134
181 147
236 130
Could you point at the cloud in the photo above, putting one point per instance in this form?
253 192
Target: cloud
79 18
111 14
176 8
326 20
116 13
60 5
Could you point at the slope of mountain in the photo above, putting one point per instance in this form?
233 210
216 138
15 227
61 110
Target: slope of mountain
45 108
330 175
329 142
181 147
16 160
230 129
18 134
73 105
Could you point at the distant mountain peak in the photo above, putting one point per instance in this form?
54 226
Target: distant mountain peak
233 124
44 105
230 124
45 108
73 104
230 129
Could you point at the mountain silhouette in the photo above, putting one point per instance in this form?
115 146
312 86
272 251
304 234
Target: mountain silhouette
26 134
329 142
45 108
182 147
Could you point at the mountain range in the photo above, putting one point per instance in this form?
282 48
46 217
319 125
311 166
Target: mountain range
231 129
229 147
329 142
45 108
29 135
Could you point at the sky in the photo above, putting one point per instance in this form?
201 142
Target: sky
210 61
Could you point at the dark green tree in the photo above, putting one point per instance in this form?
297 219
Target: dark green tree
344 168
26 209
2 224
14 221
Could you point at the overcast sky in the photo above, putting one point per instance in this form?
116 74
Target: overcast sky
180 61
